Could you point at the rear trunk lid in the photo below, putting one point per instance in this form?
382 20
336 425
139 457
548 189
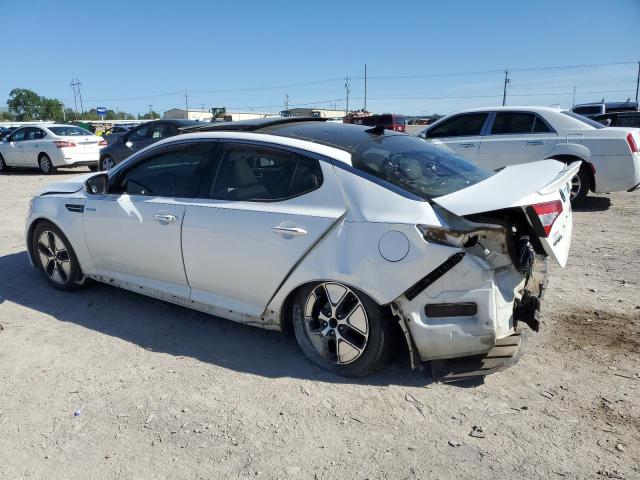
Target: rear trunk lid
540 188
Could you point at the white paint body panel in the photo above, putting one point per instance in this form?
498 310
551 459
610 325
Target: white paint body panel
222 257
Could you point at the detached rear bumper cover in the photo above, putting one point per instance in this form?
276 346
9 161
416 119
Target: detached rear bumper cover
495 292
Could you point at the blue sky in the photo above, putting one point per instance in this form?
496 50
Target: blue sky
250 54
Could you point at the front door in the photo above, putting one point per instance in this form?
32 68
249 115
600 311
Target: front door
460 134
32 146
12 151
267 207
134 232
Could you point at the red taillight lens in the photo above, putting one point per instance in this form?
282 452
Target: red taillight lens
548 213
102 143
632 143
63 144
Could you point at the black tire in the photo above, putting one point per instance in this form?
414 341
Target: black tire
378 346
103 160
45 164
62 270
3 165
93 168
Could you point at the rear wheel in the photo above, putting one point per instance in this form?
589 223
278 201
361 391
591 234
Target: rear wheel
93 168
3 165
55 257
44 162
341 329
580 185
107 163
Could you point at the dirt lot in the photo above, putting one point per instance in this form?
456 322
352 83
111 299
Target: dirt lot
104 383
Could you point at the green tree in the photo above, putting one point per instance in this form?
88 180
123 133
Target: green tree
24 104
51 109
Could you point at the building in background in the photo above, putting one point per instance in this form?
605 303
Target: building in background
192 114
312 112
235 116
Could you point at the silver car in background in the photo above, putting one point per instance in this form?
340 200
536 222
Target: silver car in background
352 236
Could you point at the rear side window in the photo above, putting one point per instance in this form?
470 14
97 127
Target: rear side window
589 110
469 124
34 134
252 173
629 121
70 131
175 173
512 122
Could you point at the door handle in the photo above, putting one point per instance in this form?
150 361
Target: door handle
467 145
535 142
165 218
289 231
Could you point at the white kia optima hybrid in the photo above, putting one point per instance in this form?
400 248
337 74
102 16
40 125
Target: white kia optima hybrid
354 236
48 147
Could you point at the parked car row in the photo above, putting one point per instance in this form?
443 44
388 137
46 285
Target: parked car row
494 138
356 236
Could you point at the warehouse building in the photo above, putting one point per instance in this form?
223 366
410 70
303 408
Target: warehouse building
192 114
312 112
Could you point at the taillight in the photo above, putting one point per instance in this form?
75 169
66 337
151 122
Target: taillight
632 143
102 143
548 213
63 144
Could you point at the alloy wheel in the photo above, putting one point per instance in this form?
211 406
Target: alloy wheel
108 163
45 164
54 257
336 322
576 187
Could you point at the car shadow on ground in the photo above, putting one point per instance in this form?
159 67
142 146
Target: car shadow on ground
593 204
35 172
163 327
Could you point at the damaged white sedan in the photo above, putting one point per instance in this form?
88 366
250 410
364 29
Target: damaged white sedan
349 235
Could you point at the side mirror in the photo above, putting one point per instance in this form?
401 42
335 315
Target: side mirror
98 184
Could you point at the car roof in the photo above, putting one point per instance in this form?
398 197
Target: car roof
311 129
525 108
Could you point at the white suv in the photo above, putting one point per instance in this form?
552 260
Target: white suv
501 136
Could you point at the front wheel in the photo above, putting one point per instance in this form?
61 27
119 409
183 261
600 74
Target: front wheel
55 257
3 165
341 329
46 167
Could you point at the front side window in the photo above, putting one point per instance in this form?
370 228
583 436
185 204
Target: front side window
139 134
466 125
253 173
175 173
416 166
18 135
158 131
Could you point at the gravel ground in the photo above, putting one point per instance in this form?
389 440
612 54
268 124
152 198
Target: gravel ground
104 383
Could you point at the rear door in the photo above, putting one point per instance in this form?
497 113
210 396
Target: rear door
266 208
460 133
32 146
516 137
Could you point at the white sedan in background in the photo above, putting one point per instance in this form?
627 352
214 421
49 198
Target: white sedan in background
496 137
348 234
50 146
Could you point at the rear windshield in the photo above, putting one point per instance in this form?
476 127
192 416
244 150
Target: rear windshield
70 131
416 166
586 120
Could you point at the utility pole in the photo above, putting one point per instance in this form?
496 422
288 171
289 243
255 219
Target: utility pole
637 82
186 103
365 87
506 82
347 84
286 102
574 96
75 100
151 111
